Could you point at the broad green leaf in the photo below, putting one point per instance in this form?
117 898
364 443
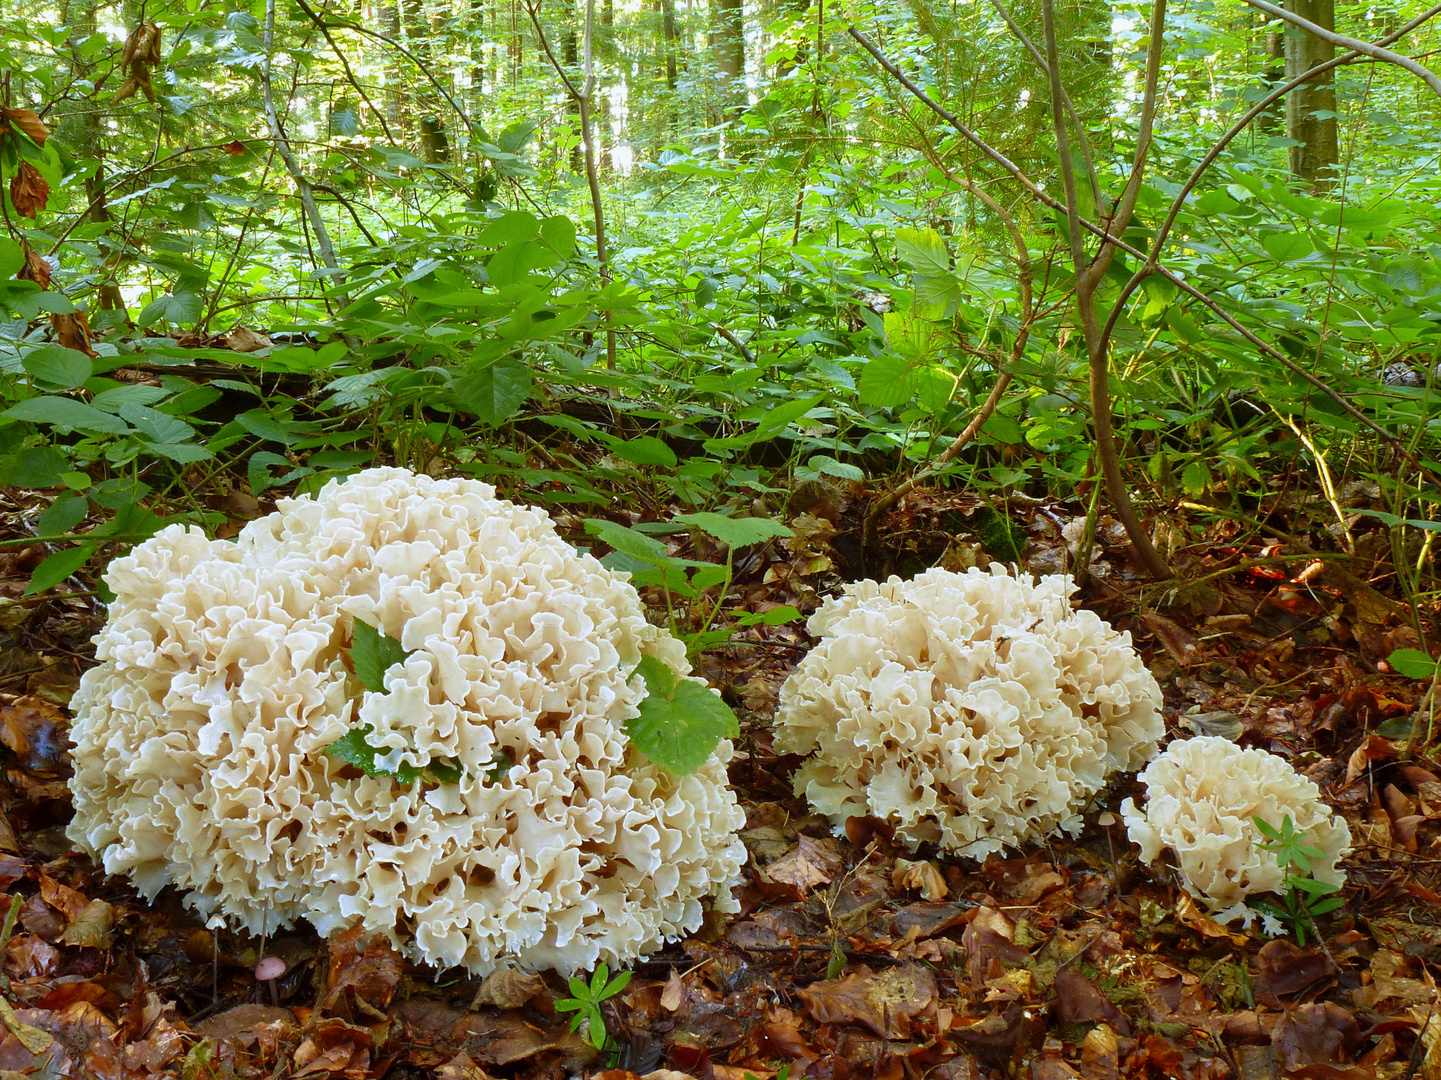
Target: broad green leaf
784 414
372 654
645 450
264 424
735 532
494 393
63 515
559 233
11 257
58 567
1195 478
924 250
885 382
181 309
41 467
627 541
156 426
353 749
680 721
67 414
1413 663
516 226
55 367
1287 247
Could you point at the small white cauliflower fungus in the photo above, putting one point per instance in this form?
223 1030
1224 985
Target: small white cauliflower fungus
200 738
1201 795
971 710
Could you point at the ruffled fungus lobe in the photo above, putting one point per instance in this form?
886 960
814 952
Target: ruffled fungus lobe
1201 796
225 673
970 710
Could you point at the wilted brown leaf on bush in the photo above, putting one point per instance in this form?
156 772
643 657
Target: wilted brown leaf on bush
26 121
72 330
36 267
28 190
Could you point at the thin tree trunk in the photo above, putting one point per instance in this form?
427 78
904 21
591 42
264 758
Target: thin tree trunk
728 45
668 39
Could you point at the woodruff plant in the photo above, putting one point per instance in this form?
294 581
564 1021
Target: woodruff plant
1305 898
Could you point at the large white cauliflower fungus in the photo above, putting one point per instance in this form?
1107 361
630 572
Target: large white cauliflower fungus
1201 796
223 677
972 710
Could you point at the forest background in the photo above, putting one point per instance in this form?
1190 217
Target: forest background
771 260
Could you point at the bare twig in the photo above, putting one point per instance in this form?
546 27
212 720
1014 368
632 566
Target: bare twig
282 144
1088 277
1082 141
345 64
1365 48
581 96
1180 282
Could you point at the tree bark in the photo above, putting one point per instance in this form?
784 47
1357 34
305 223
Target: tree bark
1315 157
728 45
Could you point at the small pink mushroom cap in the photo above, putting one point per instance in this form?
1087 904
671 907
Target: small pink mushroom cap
272 967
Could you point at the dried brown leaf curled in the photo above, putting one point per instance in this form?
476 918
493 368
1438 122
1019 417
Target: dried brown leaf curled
28 190
28 123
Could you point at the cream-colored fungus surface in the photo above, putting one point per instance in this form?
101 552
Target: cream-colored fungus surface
223 677
971 710
1201 796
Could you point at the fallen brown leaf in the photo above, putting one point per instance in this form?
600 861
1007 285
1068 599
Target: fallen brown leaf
884 1002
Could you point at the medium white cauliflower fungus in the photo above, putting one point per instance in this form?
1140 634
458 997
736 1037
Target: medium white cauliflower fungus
223 678
970 710
1201 795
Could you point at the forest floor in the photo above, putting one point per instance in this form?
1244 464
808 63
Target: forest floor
852 957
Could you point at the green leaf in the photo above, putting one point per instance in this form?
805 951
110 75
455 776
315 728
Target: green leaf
156 426
372 654
1413 663
55 367
41 467
627 541
1287 247
66 414
924 250
63 515
735 532
559 233
180 309
353 749
645 450
680 721
58 567
494 393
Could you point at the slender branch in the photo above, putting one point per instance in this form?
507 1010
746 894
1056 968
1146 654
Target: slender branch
1150 266
1097 230
1081 139
282 144
581 97
737 342
345 64
1365 48
1088 277
1145 129
464 116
